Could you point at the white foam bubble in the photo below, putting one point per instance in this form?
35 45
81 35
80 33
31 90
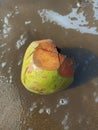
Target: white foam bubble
41 110
78 4
10 78
3 64
33 106
62 102
16 10
96 99
19 62
21 41
65 122
27 22
6 25
9 69
48 111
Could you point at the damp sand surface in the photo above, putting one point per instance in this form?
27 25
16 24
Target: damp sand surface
73 26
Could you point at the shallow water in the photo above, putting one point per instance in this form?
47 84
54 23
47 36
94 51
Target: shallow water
73 26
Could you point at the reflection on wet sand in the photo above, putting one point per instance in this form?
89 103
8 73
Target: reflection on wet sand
71 21
95 8
70 25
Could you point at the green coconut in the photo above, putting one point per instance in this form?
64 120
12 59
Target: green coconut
39 80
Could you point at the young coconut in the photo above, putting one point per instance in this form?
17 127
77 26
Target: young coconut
44 69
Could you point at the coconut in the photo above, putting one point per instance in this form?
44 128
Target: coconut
44 69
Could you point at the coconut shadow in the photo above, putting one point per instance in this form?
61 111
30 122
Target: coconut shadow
86 65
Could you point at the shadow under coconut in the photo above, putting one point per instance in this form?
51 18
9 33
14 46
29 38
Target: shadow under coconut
86 65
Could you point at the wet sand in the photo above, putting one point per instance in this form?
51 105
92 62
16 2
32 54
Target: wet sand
74 27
